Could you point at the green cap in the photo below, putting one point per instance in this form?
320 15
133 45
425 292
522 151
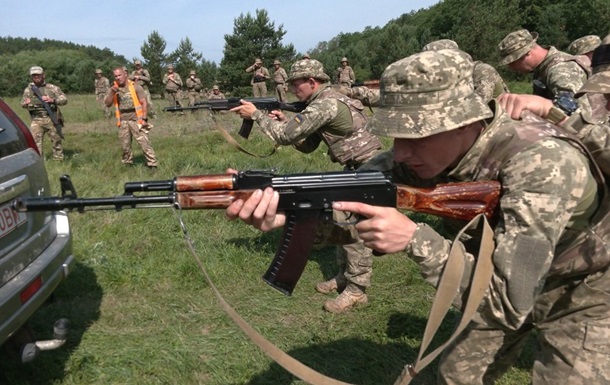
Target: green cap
426 94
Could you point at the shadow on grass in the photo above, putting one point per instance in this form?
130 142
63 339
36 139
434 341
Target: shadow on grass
78 299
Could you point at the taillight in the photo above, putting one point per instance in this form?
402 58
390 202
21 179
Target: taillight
24 129
29 291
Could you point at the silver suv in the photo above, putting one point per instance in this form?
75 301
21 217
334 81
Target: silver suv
35 247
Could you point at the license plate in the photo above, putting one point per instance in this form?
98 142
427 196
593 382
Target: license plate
10 219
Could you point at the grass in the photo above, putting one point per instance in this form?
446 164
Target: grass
140 310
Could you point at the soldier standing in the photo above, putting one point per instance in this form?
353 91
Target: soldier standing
345 74
216 94
131 111
279 77
193 87
173 86
260 75
339 122
142 77
41 121
102 84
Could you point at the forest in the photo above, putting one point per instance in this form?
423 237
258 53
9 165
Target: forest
476 25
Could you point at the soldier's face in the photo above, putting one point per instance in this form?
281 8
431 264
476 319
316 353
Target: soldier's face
38 79
120 76
522 65
303 88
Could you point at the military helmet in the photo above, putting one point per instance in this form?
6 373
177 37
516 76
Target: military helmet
170 66
277 62
515 45
215 88
307 68
440 44
136 62
258 61
426 94
36 70
98 71
344 59
306 56
599 81
192 72
584 44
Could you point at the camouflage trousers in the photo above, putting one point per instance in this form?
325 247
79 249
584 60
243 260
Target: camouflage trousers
572 322
174 98
193 98
280 92
355 261
42 125
130 130
259 90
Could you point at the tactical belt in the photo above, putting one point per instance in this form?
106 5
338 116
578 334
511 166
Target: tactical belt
128 110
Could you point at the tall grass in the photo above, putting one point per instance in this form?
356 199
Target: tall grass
140 310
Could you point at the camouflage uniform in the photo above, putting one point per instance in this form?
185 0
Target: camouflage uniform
142 77
339 122
173 87
279 77
102 84
193 86
215 95
259 78
584 45
345 75
130 128
549 196
41 122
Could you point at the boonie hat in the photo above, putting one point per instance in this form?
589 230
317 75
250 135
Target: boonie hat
36 70
584 44
426 94
515 45
440 44
192 72
215 88
307 68
599 81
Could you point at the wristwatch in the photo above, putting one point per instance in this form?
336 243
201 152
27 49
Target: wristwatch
564 105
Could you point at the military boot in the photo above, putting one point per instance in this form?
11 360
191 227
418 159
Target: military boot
336 283
349 298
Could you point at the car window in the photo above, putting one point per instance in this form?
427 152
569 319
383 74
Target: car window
12 139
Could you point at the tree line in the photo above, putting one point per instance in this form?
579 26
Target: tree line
476 25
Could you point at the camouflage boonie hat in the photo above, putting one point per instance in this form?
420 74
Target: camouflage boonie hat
136 62
258 61
192 72
515 45
98 71
584 44
307 68
440 44
277 62
426 94
36 70
215 88
599 81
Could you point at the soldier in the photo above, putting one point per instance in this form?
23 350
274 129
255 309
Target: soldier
585 45
550 269
488 83
102 84
216 94
193 86
279 77
338 121
345 74
260 75
142 77
173 87
41 121
131 111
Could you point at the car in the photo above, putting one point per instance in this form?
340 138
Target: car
35 247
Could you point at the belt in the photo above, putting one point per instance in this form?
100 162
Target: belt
128 110
259 81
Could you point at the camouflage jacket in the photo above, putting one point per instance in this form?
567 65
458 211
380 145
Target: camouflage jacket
172 85
280 76
330 117
488 83
193 85
544 204
102 85
561 72
260 74
345 75
144 78
35 105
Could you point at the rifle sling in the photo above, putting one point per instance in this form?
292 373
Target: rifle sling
234 143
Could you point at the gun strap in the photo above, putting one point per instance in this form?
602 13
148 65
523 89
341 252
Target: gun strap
283 359
234 143
447 288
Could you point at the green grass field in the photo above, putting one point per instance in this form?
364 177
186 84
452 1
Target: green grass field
140 310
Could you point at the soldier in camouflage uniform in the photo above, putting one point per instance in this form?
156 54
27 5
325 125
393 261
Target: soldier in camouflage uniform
279 77
488 83
585 45
345 74
142 77
173 86
193 87
131 111
41 122
216 94
339 122
101 89
442 132
260 75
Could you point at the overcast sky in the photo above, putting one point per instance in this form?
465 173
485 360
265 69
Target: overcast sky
123 26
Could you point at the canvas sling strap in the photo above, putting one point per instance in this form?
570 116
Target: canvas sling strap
234 143
447 289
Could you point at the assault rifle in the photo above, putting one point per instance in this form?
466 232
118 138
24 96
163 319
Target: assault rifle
367 83
267 104
305 198
55 119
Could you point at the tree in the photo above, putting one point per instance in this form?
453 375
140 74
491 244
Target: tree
253 37
155 59
185 58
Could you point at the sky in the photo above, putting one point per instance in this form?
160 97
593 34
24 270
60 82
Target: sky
123 26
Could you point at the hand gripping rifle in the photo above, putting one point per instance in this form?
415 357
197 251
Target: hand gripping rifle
266 104
54 117
305 198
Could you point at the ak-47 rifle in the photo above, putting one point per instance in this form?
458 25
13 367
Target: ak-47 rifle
367 83
266 104
54 118
305 198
